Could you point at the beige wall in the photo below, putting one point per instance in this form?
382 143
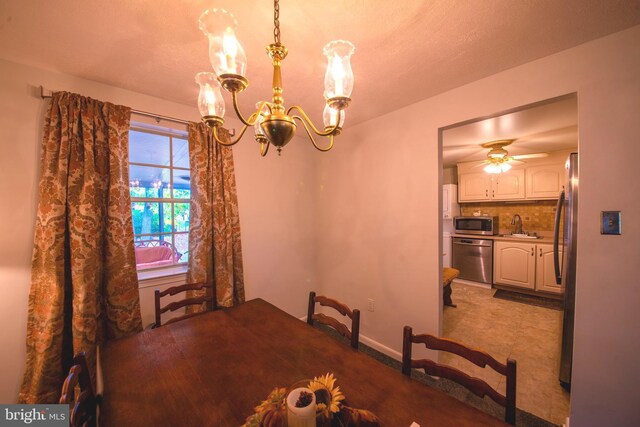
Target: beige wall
379 213
277 208
450 175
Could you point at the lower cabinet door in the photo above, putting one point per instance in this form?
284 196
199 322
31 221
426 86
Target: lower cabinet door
514 264
545 270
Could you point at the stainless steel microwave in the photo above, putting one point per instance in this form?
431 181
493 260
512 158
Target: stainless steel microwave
484 225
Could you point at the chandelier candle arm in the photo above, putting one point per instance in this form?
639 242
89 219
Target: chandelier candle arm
333 130
253 118
232 142
313 141
264 148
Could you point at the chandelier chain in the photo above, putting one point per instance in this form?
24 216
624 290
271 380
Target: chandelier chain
276 22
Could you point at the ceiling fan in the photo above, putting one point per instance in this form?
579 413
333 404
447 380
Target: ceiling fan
499 160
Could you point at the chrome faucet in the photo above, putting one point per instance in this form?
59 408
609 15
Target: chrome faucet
518 224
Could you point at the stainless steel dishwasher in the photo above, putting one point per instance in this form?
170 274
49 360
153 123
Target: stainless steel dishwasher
474 258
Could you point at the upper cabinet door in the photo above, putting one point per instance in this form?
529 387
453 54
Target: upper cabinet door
545 182
509 185
474 186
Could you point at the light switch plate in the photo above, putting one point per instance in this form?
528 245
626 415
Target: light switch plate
611 222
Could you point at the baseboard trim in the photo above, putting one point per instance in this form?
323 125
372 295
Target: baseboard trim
374 345
470 283
381 348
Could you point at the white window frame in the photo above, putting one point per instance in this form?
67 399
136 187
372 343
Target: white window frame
176 273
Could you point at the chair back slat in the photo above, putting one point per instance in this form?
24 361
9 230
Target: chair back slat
207 298
336 305
478 357
83 407
69 387
183 288
352 335
335 324
474 385
175 305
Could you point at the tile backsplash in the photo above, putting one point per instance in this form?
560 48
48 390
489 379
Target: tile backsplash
537 216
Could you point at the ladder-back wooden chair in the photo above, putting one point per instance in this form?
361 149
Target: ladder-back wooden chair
352 335
207 298
82 402
480 358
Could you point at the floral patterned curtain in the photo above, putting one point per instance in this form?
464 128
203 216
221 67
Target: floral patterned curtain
84 285
215 252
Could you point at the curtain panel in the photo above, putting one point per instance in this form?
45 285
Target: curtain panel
84 286
215 251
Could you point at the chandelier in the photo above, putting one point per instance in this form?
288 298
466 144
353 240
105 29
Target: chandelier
274 124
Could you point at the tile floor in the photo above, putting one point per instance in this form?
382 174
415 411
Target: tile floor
530 335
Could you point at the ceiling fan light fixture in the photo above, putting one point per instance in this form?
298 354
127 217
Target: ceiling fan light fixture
497 153
496 166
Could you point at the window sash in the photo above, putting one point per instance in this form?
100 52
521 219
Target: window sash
171 236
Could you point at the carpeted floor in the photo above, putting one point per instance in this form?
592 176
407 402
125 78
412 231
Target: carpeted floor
523 419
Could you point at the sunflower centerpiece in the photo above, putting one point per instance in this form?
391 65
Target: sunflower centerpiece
330 408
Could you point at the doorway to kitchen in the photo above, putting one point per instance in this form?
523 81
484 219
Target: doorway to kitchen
502 180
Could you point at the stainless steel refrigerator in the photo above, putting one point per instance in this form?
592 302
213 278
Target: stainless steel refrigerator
564 248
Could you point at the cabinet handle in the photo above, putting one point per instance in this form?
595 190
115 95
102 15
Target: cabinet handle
486 193
532 251
540 252
493 193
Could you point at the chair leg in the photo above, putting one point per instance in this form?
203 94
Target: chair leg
406 350
446 296
355 329
510 413
312 307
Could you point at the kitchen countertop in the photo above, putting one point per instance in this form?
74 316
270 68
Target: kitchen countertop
498 237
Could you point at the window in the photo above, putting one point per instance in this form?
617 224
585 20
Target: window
160 189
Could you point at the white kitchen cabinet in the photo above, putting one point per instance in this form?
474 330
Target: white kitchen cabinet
514 264
508 185
481 186
545 182
474 186
545 270
450 207
525 265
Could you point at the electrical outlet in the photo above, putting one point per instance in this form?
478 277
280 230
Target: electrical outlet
371 305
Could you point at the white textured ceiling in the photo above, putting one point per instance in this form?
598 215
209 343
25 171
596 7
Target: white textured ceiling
406 50
541 128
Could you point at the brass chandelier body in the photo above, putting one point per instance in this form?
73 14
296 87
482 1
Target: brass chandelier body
274 123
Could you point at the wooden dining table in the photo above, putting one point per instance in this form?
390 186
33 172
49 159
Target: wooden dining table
213 369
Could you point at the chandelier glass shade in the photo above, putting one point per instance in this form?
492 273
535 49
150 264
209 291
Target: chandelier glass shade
273 123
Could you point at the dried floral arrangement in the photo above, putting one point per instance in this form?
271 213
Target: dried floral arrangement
330 408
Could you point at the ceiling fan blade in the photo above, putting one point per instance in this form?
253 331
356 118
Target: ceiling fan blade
480 164
531 156
514 161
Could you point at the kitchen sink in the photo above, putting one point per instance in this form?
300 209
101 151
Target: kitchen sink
520 236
